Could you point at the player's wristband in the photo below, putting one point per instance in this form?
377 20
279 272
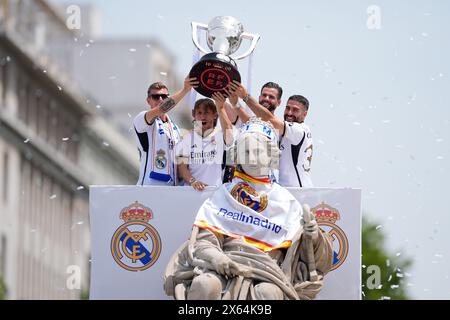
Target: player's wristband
192 180
246 97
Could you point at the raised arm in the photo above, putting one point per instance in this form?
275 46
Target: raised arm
234 109
254 105
225 122
170 102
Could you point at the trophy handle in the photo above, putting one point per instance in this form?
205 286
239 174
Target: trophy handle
195 27
254 38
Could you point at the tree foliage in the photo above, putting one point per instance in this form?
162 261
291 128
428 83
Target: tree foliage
2 289
390 281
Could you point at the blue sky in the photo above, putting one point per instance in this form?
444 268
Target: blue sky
380 110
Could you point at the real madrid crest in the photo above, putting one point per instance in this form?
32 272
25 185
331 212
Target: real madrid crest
136 245
160 160
326 217
249 197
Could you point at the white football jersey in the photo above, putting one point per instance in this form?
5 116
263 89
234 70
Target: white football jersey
157 146
205 155
296 155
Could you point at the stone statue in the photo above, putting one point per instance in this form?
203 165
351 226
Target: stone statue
251 239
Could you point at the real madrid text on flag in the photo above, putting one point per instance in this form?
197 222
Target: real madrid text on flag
135 231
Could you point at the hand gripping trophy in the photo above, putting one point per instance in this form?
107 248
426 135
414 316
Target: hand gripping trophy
217 69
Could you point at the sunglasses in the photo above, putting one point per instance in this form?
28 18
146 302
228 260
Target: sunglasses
158 96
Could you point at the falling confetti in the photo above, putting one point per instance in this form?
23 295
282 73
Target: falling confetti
106 144
132 50
163 73
378 227
53 196
65 139
80 188
27 140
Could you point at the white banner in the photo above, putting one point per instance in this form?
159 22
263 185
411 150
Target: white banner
135 230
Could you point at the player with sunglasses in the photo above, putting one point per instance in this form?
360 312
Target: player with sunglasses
157 135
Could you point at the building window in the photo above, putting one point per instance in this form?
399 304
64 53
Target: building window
5 178
4 81
22 97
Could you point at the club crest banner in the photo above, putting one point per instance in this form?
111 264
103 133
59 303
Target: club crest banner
135 230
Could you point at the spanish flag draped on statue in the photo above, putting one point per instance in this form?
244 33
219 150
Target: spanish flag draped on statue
259 212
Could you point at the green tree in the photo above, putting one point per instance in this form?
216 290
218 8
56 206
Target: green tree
390 281
2 289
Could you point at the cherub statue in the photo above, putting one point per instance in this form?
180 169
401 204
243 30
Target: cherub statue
251 239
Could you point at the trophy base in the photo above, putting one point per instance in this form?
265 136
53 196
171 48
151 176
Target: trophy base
215 71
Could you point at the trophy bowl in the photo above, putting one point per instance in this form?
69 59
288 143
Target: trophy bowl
216 69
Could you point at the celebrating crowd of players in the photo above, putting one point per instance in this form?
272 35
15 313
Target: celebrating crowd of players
199 158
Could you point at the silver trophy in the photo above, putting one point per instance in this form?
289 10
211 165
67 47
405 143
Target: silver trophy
216 69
